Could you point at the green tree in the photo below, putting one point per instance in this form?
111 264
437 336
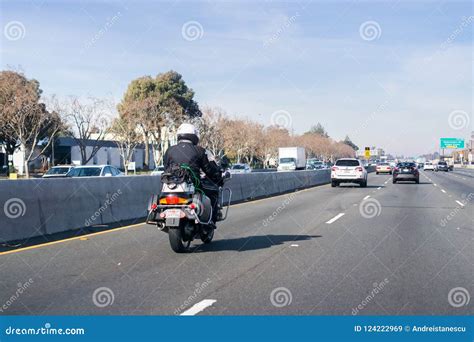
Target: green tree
318 130
157 102
172 87
349 142
25 122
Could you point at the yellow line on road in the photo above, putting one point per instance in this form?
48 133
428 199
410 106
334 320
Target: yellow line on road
70 239
138 224
130 226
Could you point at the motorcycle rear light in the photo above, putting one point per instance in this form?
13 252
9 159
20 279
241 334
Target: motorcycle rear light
154 206
172 199
192 206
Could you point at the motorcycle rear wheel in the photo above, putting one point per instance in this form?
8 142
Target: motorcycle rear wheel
207 238
176 241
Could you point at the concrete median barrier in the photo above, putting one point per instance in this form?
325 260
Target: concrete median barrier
41 207
38 207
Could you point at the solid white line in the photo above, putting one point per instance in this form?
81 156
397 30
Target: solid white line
460 203
379 188
294 245
442 190
366 197
335 218
198 307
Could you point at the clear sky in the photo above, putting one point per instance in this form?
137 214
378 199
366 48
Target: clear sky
395 74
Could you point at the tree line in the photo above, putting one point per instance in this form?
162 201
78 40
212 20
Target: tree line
30 121
244 140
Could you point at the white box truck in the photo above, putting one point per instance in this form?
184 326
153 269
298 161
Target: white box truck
291 158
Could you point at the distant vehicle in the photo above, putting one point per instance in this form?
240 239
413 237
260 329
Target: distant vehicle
428 166
291 158
450 163
158 170
406 171
348 170
442 166
94 171
314 164
420 160
58 171
240 168
328 165
383 168
420 165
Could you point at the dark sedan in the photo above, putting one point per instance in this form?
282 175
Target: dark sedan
406 172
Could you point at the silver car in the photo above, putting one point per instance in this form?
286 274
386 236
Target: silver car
240 168
58 171
94 171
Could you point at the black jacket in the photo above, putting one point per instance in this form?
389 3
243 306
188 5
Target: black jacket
185 152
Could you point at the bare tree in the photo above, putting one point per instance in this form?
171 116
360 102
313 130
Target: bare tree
271 138
124 130
89 122
30 125
211 129
235 135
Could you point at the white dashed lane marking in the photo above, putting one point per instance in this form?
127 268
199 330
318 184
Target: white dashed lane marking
198 307
335 218
460 203
366 197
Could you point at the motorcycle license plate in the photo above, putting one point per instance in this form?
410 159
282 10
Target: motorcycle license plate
172 217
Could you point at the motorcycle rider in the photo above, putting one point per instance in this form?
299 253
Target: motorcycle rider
187 151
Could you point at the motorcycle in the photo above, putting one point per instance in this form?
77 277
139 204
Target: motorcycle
184 212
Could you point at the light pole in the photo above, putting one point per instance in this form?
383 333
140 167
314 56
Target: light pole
52 152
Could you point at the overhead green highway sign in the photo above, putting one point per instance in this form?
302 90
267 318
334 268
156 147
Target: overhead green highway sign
451 143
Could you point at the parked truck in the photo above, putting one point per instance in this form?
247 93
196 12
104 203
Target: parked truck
291 158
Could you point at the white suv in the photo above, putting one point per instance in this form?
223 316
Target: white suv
428 166
348 170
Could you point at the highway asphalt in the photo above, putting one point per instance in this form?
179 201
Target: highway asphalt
388 249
